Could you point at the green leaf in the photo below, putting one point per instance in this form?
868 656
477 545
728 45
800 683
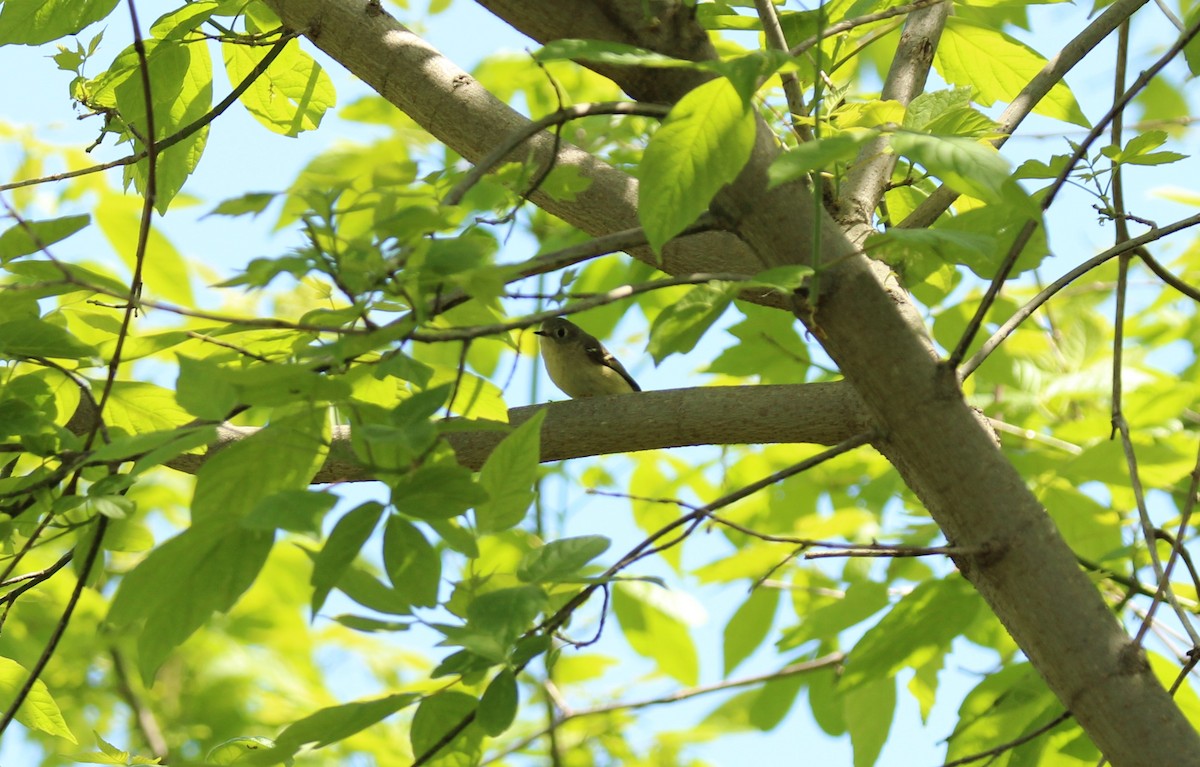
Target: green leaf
291 97
651 621
773 702
457 536
413 565
1003 222
181 83
869 711
370 625
749 626
860 601
33 22
437 491
207 567
970 167
1137 151
181 583
164 270
31 236
139 408
38 711
505 614
785 278
364 588
179 22
825 698
931 105
1092 530
508 476
332 724
680 325
782 359
919 627
1191 51
498 705
210 390
38 338
435 718
917 253
234 749
701 146
998 67
284 455
128 448
817 155
297 511
250 202
342 547
561 560
1009 702
923 686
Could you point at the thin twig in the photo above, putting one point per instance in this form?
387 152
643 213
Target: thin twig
1011 324
601 299
895 551
1000 749
528 131
791 84
35 672
802 667
146 721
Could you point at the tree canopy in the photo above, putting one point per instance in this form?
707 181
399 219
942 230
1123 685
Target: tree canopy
919 426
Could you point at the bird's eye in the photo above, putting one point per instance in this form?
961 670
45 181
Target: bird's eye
561 332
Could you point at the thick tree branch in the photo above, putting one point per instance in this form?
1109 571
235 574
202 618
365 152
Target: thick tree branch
822 414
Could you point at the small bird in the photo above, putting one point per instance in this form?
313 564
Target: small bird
579 364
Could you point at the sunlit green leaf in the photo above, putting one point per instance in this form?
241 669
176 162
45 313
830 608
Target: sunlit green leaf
38 338
869 711
656 633
294 93
920 626
436 717
32 22
31 236
38 711
508 475
998 67
817 155
413 566
560 560
700 147
679 327
498 705
749 626
344 543
968 166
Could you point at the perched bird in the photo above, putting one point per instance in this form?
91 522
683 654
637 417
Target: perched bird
579 364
